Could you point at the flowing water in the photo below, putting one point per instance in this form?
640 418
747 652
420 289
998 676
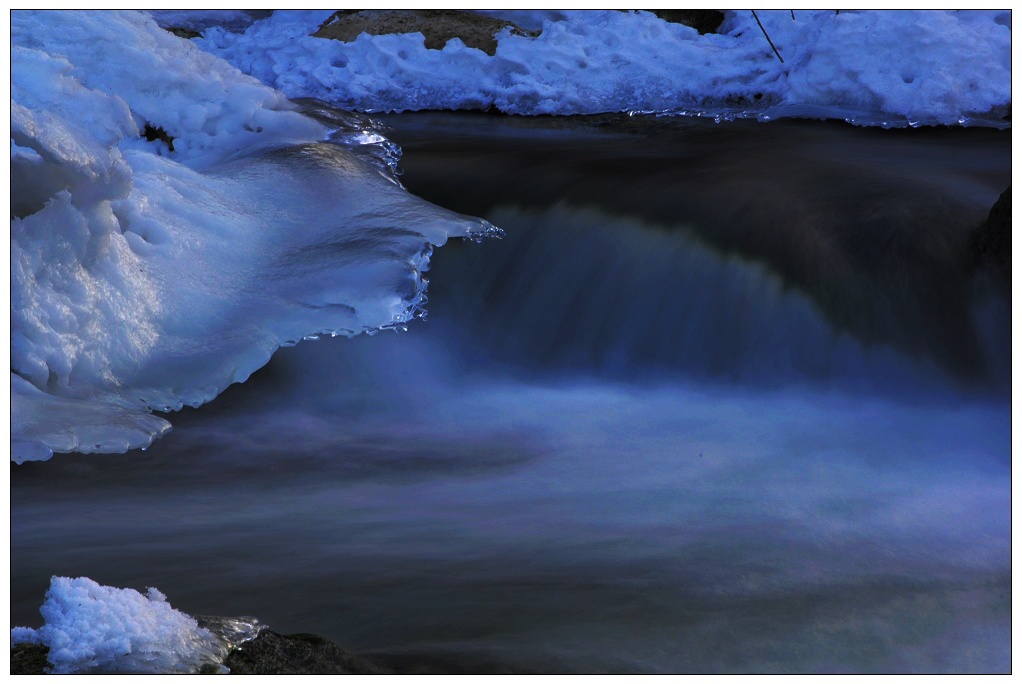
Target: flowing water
728 397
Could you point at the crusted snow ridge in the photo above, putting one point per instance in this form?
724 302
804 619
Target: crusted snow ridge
873 67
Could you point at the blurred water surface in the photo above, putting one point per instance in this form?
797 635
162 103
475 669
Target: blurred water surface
728 398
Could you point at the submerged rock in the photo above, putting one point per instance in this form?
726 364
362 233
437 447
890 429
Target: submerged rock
992 240
273 653
438 26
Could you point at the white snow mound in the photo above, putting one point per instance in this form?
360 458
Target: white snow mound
92 628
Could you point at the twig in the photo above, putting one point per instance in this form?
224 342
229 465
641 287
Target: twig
767 36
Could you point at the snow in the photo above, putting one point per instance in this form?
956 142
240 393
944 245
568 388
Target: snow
145 278
92 628
872 67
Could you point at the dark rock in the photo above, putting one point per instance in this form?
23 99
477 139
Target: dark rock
272 653
29 659
704 21
185 33
199 22
269 653
992 240
438 26
152 133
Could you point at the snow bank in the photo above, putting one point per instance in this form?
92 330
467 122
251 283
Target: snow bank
145 277
92 628
872 67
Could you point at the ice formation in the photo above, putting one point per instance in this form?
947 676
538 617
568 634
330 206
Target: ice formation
871 67
152 273
91 628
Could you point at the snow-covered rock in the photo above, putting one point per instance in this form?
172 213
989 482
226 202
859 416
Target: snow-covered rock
93 628
872 67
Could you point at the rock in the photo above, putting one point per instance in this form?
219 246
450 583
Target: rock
438 26
152 133
992 240
29 659
182 32
268 653
704 21
272 653
475 30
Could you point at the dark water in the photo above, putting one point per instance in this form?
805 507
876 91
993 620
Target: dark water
728 398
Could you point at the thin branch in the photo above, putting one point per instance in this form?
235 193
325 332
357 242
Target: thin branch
767 35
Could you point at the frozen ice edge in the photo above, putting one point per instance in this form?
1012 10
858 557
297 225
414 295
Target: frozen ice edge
823 113
126 258
43 424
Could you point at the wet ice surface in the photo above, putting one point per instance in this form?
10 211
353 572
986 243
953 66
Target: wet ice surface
531 482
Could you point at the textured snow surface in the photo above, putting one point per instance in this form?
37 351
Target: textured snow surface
873 67
92 628
145 277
